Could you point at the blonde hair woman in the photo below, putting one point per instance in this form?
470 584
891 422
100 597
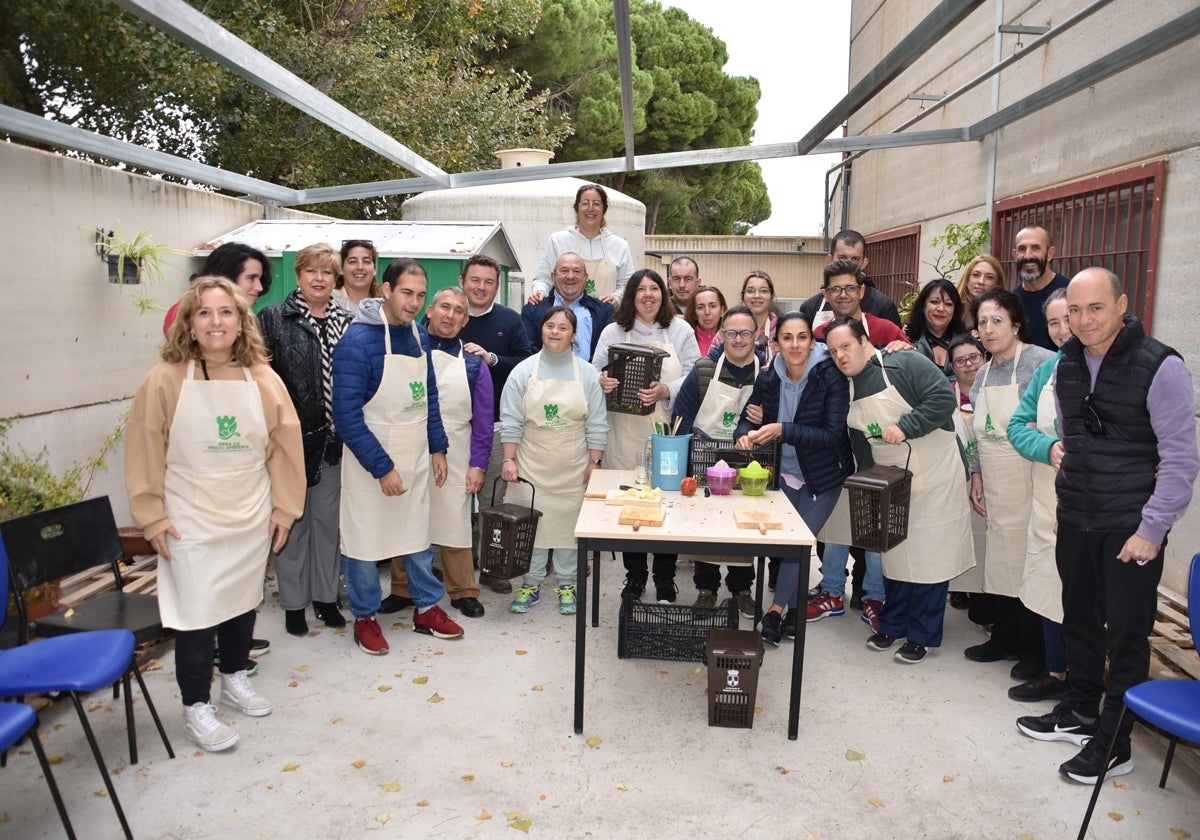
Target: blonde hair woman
981 275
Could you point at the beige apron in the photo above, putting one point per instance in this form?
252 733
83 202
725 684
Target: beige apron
450 504
218 496
553 455
602 274
717 417
627 433
1007 484
374 526
822 317
972 579
1041 587
939 527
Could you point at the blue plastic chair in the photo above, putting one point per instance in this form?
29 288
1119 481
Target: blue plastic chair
75 664
16 719
1170 705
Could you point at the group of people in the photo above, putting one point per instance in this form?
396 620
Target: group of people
1043 483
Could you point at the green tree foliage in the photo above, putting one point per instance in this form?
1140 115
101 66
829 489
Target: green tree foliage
412 68
683 100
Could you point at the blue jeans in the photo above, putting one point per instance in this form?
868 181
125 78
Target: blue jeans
814 512
833 572
362 582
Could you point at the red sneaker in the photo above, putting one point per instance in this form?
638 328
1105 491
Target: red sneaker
369 637
435 622
823 605
872 609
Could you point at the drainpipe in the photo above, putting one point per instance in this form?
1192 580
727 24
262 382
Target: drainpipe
994 138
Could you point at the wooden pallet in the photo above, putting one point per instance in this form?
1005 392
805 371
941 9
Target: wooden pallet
139 574
1172 652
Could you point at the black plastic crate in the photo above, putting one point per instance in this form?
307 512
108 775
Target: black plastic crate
635 366
706 451
676 632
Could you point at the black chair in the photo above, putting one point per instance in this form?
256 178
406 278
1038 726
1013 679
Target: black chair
16 719
1171 705
67 540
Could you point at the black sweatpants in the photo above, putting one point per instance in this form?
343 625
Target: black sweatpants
194 655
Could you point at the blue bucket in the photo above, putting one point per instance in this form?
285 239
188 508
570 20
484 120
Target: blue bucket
668 460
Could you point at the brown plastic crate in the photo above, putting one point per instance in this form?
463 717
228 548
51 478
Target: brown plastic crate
879 505
506 537
635 366
734 659
706 451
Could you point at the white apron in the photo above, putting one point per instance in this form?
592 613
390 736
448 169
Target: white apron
972 579
1007 485
374 526
822 317
627 433
602 274
939 526
717 417
450 504
218 496
1041 587
553 455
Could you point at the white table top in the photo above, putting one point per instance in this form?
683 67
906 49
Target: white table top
692 520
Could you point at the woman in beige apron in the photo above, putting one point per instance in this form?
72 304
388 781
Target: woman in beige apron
645 316
1033 431
388 516
716 417
552 429
606 256
215 493
1016 632
912 391
967 356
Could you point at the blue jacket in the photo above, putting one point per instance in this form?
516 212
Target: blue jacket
818 431
357 372
533 313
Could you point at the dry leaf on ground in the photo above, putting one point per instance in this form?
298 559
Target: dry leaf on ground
947 778
594 741
421 680
300 668
391 787
436 698
523 824
484 815
384 688
1115 817
290 768
358 765
470 777
783 771
854 755
382 818
537 688
621 786
878 803
424 803
522 652
506 764
1181 834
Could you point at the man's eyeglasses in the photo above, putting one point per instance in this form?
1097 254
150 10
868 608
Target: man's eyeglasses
838 291
969 359
745 335
1091 420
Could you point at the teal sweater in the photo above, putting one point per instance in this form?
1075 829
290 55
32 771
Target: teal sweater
1031 443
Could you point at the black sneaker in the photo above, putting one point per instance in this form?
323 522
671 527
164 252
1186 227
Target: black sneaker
258 647
814 592
633 588
770 627
1060 724
881 641
789 623
665 591
1085 767
911 653
1042 687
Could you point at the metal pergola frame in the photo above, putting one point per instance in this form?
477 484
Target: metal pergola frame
181 21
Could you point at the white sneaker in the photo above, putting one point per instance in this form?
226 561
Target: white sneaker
237 691
202 728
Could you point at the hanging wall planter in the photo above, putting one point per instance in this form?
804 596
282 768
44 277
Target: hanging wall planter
130 261
125 271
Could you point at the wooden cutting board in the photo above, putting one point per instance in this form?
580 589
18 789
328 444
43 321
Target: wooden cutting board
758 520
639 516
625 498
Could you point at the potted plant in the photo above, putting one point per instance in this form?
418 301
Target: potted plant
28 484
130 261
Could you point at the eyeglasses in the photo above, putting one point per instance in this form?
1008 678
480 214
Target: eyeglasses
347 244
969 359
838 291
1091 420
745 335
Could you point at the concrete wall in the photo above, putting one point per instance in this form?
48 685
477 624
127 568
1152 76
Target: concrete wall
1143 114
74 346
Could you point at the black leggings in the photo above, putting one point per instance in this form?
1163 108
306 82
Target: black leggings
194 655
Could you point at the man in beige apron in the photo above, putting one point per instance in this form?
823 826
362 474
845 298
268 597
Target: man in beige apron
385 402
710 401
907 400
465 400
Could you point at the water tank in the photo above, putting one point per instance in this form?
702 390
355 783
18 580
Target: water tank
530 211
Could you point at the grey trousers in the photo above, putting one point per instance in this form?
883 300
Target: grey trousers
310 563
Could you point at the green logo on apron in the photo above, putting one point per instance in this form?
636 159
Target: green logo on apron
874 430
989 429
729 418
970 449
227 428
553 421
590 286
551 412
418 390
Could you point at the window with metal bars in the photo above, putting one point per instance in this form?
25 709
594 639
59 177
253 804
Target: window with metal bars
892 261
1110 220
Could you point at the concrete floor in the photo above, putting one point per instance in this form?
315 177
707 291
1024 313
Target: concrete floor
473 738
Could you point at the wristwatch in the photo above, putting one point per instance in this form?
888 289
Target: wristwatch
599 462
492 359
